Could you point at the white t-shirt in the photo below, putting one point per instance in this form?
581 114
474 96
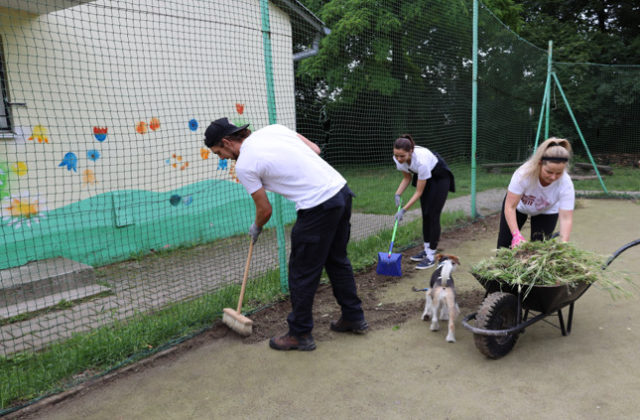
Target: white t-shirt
422 163
275 158
536 199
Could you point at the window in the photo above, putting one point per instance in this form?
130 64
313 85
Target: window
5 123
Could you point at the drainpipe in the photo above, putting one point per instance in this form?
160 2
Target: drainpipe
315 46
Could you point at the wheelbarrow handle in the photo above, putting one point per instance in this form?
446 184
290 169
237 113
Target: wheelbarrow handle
620 251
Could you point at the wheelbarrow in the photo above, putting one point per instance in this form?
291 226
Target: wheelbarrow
504 312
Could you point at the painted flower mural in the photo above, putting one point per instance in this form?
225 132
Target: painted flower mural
22 209
154 124
176 161
141 127
39 133
19 168
88 178
93 155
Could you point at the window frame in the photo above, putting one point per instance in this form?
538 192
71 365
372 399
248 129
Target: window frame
8 127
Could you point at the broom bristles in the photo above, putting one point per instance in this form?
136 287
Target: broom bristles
237 322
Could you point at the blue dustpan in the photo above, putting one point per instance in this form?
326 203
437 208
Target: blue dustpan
390 264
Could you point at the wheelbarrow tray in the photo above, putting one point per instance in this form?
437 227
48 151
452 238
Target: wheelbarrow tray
541 298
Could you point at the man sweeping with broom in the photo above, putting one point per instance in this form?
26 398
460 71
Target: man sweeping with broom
278 159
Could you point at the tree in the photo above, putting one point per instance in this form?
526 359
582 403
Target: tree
394 66
402 64
597 31
605 99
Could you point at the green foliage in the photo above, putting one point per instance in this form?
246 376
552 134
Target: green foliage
604 99
375 187
376 46
585 30
545 263
404 67
624 178
25 376
508 12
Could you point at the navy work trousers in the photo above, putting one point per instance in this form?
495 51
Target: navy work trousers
319 240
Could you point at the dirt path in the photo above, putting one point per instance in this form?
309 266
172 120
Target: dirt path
400 369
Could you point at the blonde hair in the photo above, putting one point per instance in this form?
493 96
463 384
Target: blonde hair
550 150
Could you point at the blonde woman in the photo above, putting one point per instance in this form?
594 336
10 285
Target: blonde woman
541 189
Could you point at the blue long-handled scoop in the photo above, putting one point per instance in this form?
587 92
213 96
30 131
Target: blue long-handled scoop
390 264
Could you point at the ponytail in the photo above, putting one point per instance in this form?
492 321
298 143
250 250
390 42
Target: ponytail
404 142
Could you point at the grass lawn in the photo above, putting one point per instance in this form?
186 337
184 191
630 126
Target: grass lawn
375 187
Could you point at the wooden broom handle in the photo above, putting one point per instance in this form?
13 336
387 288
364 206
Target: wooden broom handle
244 278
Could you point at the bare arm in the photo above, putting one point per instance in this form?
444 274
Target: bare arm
309 143
510 205
566 223
416 195
406 180
263 207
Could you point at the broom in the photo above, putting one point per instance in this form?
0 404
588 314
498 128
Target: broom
234 319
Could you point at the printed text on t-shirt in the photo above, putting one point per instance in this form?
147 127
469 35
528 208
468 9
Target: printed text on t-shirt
538 202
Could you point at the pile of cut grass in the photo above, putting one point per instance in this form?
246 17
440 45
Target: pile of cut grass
548 263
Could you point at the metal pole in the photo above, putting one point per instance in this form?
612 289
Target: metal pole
268 61
474 109
545 99
548 90
271 105
575 122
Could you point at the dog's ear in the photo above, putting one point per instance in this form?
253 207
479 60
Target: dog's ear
455 259
439 257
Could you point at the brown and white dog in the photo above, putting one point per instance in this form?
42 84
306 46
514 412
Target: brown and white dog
441 295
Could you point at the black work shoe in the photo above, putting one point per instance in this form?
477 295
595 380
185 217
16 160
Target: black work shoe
293 342
356 327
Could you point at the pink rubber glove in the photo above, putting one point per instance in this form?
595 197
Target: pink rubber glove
517 239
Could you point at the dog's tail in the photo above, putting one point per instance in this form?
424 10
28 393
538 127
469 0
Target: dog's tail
419 290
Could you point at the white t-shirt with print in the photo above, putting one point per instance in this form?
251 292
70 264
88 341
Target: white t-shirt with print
422 163
536 199
275 158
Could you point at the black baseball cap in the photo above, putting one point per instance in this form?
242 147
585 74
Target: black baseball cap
218 130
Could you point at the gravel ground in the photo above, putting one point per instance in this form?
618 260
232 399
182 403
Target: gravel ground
403 370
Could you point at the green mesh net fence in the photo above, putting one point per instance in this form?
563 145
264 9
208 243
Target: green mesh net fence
605 101
511 79
116 218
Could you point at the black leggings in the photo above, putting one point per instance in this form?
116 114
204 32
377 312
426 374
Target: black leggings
542 226
431 202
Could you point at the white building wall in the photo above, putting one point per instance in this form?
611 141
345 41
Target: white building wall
115 64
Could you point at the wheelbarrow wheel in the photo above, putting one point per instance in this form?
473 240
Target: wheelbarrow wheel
498 312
